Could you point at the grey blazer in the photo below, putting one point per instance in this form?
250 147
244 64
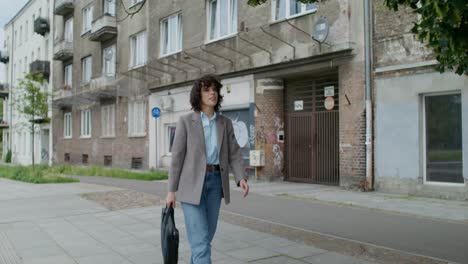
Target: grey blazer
188 167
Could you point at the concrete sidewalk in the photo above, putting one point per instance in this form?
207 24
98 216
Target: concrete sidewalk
54 224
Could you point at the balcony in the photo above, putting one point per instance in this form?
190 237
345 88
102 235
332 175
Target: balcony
4 56
63 7
41 26
103 87
3 123
4 92
103 28
40 67
63 50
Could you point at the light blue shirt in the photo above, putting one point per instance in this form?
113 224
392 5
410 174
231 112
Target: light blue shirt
211 138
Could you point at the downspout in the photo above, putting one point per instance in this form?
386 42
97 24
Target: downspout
368 73
11 68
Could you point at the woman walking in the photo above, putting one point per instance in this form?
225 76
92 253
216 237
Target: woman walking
204 151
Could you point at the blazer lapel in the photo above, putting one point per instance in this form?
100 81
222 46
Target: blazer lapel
198 129
219 131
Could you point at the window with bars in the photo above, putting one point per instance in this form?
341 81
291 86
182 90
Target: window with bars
86 123
108 120
67 125
222 17
171 34
137 118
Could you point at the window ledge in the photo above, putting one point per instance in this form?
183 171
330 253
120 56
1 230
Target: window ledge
85 32
85 137
136 66
162 56
67 138
445 184
137 135
108 137
209 41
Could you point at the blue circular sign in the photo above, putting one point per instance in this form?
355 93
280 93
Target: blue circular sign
156 112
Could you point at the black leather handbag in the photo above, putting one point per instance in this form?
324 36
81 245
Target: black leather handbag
169 236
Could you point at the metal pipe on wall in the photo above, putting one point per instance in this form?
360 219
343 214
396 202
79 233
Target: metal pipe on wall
368 96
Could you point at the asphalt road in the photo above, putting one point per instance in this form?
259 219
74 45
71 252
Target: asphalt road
428 237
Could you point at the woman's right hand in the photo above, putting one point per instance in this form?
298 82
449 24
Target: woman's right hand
171 199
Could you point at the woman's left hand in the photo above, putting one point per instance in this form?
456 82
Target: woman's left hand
245 187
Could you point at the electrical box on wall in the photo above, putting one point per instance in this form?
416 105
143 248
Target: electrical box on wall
280 136
257 158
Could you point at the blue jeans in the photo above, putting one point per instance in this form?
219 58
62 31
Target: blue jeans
201 220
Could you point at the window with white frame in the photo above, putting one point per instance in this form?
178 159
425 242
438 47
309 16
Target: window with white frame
138 47
26 30
68 77
86 123
171 34
87 13
67 125
443 134
68 31
222 18
86 65
170 137
109 7
108 61
134 2
108 120
282 9
136 118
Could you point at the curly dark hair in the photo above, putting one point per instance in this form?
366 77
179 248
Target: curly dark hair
195 94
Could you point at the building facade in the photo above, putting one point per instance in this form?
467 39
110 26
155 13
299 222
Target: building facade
295 102
421 115
27 49
100 106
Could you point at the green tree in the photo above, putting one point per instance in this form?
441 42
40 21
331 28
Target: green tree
443 27
32 101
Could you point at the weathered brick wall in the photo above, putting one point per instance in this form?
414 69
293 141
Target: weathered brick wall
393 41
352 124
122 148
269 107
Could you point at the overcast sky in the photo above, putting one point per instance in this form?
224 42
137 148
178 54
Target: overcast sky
8 9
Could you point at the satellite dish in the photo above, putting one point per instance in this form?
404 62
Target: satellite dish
109 54
321 29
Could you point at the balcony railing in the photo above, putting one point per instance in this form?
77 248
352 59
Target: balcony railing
63 7
63 50
40 67
103 86
4 92
103 28
41 26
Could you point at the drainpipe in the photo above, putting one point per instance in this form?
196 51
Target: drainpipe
368 73
11 68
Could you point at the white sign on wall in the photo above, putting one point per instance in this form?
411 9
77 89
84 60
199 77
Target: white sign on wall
329 91
298 105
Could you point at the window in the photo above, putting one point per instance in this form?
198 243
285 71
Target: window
87 18
289 8
67 125
39 53
68 77
86 65
32 24
108 120
138 49
109 7
134 2
16 39
136 118
68 31
108 61
171 34
86 123
170 137
443 138
21 35
26 31
222 16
